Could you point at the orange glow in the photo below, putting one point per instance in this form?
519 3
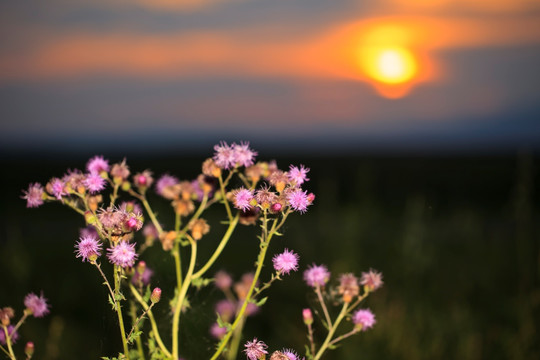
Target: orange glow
393 65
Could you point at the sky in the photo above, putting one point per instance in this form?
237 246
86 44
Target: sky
303 75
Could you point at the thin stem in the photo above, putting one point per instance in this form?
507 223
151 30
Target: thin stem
8 342
139 298
224 197
133 313
74 207
177 265
21 321
119 310
181 297
135 326
235 342
267 285
310 337
149 210
219 249
331 332
323 305
106 281
114 195
344 336
5 351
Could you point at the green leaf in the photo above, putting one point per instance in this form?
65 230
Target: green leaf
262 301
200 282
111 301
133 336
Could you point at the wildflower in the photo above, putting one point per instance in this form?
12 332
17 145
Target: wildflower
225 309
278 355
36 305
143 180
123 254
13 335
164 185
255 349
198 228
298 200
150 232
251 308
131 207
307 315
371 280
217 331
156 295
88 231
285 262
120 171
224 157
74 181
6 314
88 248
243 198
34 195
112 218
298 175
223 280
210 168
316 275
276 207
243 155
94 183
183 207
56 188
29 349
265 198
142 275
97 165
290 354
348 287
363 319
279 179
133 222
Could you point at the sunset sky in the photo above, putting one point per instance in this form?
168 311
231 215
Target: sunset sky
305 74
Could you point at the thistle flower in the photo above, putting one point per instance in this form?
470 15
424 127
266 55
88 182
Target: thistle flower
88 248
307 315
123 254
29 349
150 232
286 261
298 175
36 305
6 314
265 198
278 355
348 287
223 280
371 280
243 155
156 295
74 180
199 228
224 156
226 309
133 222
143 277
112 218
14 335
255 349
363 319
279 179
97 164
94 183
57 188
33 196
120 171
243 198
88 231
131 207
143 180
164 183
290 354
298 200
316 275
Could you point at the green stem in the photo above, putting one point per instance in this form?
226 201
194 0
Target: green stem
149 210
152 320
114 195
133 313
344 336
68 203
260 262
106 281
5 351
235 342
177 263
119 310
323 305
310 337
8 342
21 321
331 332
224 196
136 323
181 297
219 249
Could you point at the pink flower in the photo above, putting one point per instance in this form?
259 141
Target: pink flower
255 349
371 280
363 319
298 175
97 164
37 305
242 198
88 248
165 181
217 331
298 200
226 309
285 262
123 254
90 230
224 156
144 179
291 354
57 188
14 335
316 275
94 183
243 155
223 280
34 195
144 278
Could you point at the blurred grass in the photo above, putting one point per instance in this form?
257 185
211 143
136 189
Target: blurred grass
457 240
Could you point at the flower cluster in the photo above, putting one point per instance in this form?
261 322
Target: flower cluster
256 350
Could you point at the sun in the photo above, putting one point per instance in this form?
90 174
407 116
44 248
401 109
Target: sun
390 65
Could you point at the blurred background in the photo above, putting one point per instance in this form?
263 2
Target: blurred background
420 121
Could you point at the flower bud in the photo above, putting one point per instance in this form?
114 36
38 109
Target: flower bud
156 295
90 218
141 266
276 207
29 349
308 316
